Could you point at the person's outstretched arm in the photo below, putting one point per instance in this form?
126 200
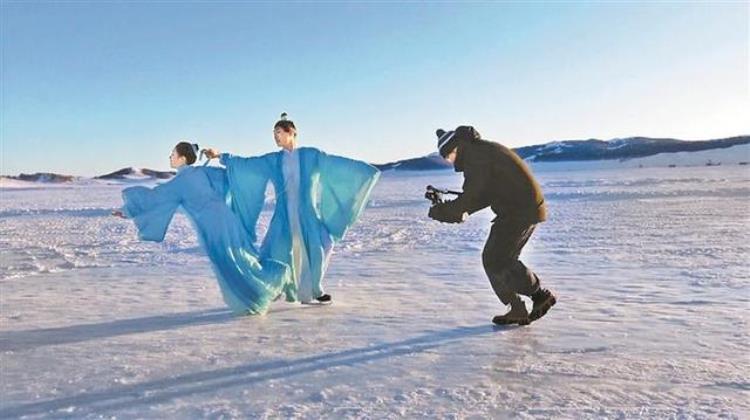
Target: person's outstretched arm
345 187
246 181
151 208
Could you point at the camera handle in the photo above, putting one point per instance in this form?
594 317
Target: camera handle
442 191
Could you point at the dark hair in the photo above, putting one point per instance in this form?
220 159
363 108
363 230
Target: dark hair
285 124
187 150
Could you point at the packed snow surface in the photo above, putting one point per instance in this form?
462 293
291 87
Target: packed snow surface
650 267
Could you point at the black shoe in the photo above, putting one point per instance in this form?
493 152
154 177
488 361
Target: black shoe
517 315
543 300
326 298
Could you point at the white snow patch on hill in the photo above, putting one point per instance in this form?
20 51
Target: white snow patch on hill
734 155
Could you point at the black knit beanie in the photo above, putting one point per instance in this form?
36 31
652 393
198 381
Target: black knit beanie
447 141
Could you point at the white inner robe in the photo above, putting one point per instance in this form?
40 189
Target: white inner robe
301 270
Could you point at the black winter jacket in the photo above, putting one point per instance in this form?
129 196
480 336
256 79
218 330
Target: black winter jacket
494 176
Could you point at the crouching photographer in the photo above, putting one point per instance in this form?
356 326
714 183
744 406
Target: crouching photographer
494 176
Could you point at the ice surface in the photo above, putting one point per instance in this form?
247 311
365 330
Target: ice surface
650 266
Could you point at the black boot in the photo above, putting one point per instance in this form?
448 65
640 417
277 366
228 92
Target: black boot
543 300
517 314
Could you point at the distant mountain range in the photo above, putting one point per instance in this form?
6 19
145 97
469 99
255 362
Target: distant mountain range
43 177
426 163
629 148
557 151
136 173
585 150
124 174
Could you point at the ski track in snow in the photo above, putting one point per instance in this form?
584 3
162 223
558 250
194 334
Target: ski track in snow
650 267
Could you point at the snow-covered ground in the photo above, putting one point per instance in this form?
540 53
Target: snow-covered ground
650 266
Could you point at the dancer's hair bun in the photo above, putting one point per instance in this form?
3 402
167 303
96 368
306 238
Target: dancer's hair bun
285 123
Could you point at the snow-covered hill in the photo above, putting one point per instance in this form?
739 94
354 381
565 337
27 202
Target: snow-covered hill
137 174
627 148
599 153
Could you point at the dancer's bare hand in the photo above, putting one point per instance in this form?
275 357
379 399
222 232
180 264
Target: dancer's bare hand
211 153
119 213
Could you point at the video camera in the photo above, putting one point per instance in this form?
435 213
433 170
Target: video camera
435 195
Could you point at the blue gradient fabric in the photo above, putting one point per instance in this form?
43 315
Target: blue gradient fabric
248 283
333 192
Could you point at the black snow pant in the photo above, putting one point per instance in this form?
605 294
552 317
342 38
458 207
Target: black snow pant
508 276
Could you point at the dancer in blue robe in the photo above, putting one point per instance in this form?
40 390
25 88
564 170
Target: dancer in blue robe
248 283
318 198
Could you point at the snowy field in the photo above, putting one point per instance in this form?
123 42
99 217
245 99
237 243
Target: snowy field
650 266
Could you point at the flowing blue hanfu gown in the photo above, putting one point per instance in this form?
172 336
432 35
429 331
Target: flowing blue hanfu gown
248 283
318 198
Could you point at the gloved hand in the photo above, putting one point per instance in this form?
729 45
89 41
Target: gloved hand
439 213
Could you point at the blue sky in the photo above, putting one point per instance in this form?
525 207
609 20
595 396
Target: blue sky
88 88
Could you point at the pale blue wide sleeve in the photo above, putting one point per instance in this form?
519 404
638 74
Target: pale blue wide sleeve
248 178
217 177
151 208
345 186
